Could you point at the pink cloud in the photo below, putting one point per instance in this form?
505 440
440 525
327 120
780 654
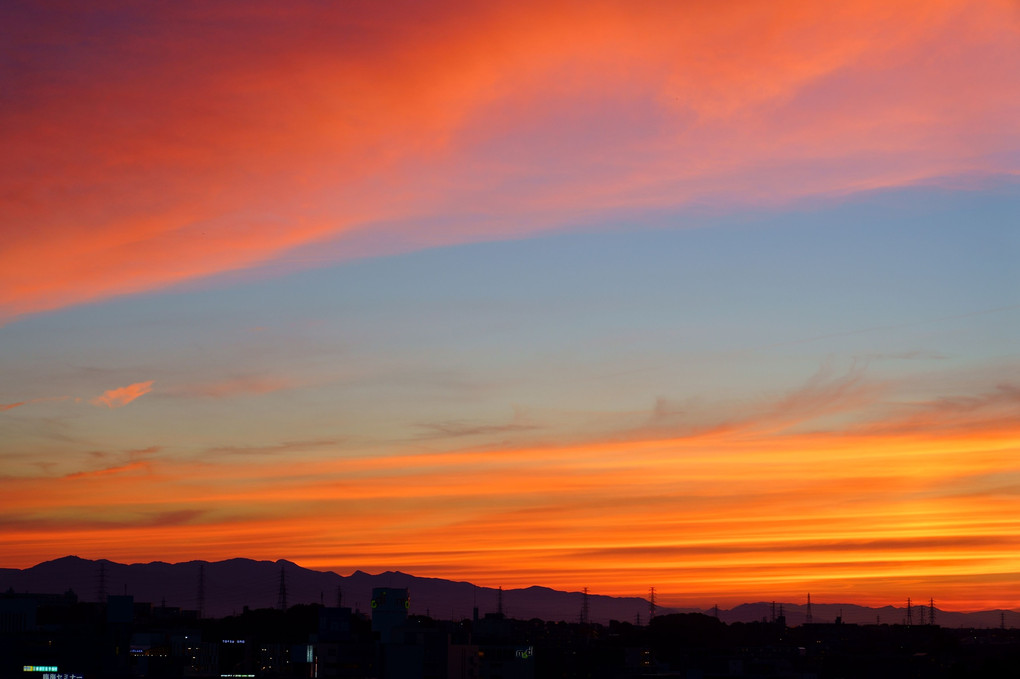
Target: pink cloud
115 398
9 406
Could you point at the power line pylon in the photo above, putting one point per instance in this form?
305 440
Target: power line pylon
281 599
101 587
201 590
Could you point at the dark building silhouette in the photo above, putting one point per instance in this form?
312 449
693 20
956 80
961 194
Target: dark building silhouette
58 635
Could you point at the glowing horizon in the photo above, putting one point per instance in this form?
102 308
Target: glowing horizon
716 298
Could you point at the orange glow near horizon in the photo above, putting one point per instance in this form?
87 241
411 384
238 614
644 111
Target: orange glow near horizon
707 519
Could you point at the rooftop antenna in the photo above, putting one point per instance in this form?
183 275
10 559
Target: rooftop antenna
281 600
651 604
808 618
584 607
201 590
910 614
931 611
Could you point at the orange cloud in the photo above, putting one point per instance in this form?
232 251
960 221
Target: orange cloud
116 398
187 154
44 399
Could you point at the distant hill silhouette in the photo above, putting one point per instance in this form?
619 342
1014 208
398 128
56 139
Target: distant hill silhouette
235 583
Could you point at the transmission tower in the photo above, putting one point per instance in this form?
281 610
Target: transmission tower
931 611
499 602
651 604
201 590
584 607
281 600
808 618
910 614
715 611
339 596
101 588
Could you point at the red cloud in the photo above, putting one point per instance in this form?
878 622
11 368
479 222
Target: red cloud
115 398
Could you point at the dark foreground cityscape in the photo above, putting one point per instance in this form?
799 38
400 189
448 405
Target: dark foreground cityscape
53 636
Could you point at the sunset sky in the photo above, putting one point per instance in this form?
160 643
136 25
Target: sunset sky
717 297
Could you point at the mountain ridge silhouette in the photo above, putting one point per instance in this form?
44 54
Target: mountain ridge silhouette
232 584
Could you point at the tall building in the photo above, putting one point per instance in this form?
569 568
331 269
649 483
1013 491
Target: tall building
389 610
